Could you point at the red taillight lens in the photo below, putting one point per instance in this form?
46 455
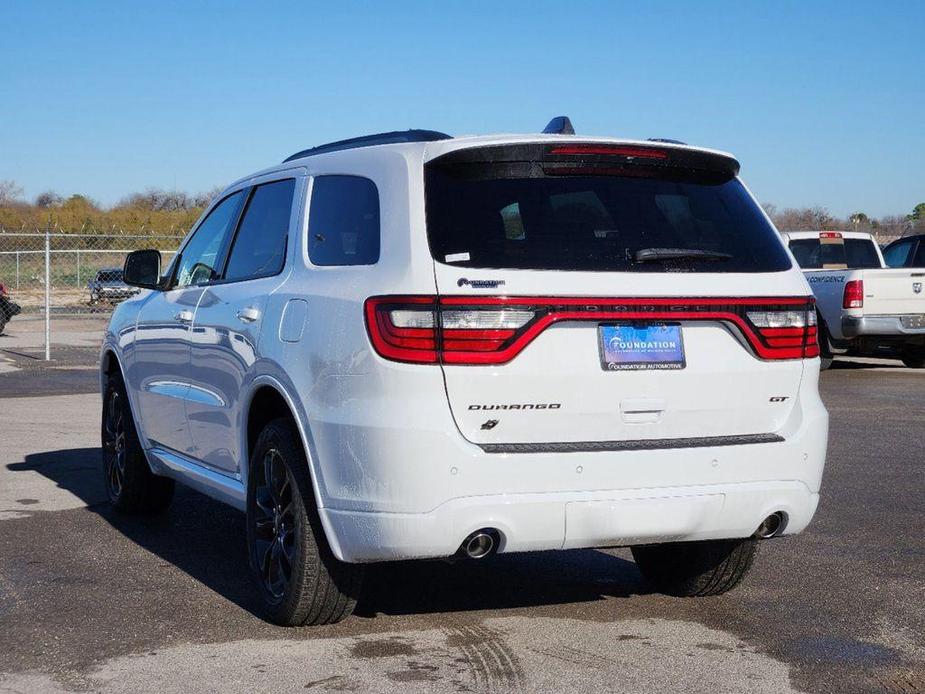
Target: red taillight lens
854 294
2 289
791 333
402 327
419 329
493 330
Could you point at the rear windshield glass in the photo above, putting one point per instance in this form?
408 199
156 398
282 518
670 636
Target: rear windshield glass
854 254
489 218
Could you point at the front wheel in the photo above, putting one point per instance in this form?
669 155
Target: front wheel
130 484
689 569
300 580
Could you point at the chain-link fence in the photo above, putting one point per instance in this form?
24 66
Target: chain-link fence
52 274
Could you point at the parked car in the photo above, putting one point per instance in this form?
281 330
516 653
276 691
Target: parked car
108 285
864 309
908 251
8 307
414 346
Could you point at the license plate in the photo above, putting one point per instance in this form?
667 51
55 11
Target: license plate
913 322
638 347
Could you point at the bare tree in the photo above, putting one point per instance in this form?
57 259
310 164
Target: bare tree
9 192
205 199
802 219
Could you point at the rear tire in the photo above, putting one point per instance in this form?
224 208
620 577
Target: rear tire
825 348
696 569
300 580
130 484
914 358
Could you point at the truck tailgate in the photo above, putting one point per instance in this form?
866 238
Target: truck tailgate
892 292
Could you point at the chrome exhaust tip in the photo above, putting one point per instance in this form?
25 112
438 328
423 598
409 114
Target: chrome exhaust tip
770 526
480 544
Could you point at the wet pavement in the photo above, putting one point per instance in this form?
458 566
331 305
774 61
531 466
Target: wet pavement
90 600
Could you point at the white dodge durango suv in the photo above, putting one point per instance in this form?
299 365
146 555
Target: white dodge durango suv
416 346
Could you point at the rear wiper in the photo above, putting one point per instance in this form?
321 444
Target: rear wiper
647 255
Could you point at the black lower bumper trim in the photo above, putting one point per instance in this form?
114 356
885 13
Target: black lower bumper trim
634 445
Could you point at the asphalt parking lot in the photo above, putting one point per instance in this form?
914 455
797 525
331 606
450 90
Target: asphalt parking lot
90 600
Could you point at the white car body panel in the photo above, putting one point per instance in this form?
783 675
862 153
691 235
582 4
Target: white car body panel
392 447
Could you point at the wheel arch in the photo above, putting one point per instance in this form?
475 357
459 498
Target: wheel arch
111 364
269 399
824 333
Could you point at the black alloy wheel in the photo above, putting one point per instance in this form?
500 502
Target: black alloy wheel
114 445
275 524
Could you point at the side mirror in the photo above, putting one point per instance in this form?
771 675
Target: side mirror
143 269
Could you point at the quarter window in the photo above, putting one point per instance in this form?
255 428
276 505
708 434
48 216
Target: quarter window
260 245
343 222
203 255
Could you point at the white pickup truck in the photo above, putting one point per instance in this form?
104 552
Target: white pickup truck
864 307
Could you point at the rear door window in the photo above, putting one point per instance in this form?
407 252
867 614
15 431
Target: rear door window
260 244
485 213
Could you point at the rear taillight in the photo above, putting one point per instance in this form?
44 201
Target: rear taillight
854 294
417 329
493 330
792 332
402 328
2 289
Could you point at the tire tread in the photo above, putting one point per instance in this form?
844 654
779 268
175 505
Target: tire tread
323 589
696 569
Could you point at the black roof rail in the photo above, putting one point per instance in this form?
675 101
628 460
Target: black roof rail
393 137
666 140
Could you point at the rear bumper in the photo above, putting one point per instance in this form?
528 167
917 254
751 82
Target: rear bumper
878 326
544 501
413 487
530 522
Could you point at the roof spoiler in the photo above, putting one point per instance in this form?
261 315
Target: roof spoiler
390 138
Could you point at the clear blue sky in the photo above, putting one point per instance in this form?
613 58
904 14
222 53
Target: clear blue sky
823 102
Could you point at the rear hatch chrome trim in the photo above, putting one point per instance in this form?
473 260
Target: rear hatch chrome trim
634 445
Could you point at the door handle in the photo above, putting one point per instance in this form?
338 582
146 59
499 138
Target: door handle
247 315
184 317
